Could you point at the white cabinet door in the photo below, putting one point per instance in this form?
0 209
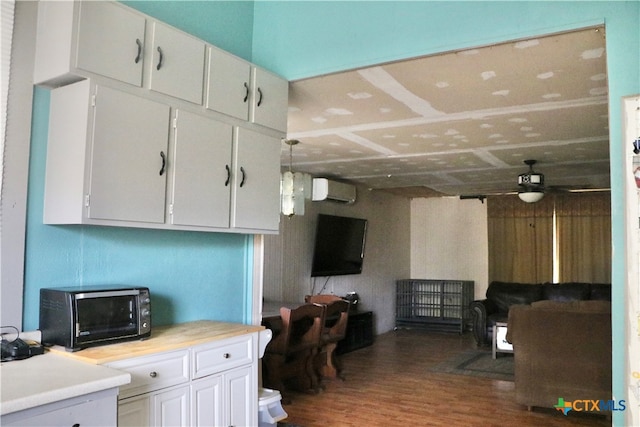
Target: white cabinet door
228 399
270 100
171 408
110 41
129 158
240 391
207 402
134 411
100 37
177 68
238 89
229 84
256 191
201 171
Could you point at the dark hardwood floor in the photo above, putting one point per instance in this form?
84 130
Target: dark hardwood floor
389 384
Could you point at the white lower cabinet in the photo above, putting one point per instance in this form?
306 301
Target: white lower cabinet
220 387
240 390
171 407
96 409
231 394
134 411
207 401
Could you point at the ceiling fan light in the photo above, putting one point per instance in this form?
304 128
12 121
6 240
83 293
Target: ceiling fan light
531 196
530 178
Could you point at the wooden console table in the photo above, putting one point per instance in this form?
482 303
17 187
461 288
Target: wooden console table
359 332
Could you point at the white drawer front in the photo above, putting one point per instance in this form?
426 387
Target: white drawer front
226 354
150 373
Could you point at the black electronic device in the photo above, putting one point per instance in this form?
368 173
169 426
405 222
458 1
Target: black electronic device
17 348
339 246
14 350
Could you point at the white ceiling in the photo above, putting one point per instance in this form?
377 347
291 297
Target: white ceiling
460 123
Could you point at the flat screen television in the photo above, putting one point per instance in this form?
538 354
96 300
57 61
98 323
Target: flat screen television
339 246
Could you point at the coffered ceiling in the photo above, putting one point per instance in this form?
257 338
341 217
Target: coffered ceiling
461 123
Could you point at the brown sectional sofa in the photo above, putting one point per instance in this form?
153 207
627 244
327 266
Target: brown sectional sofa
561 350
500 296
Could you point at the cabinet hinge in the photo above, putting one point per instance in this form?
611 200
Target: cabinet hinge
175 122
93 100
171 209
87 199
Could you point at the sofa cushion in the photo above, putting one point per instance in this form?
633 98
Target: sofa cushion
566 291
492 319
585 306
506 294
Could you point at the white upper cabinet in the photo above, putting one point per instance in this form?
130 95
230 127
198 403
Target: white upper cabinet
108 39
241 90
99 37
201 171
129 158
177 68
270 100
116 54
212 188
229 79
106 157
256 190
151 127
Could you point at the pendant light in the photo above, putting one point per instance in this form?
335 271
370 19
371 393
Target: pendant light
292 186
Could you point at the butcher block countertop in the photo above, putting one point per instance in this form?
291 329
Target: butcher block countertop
163 338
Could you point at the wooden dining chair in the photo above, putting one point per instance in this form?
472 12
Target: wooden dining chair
321 298
327 362
289 356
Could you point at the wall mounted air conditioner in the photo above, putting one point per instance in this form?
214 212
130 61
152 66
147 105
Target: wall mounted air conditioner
325 189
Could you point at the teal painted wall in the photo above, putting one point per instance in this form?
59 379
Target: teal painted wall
226 24
301 39
191 275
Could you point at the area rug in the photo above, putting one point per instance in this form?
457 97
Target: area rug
478 363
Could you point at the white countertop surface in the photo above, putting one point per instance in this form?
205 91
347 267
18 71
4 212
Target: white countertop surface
49 378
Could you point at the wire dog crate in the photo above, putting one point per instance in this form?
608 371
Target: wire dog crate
441 305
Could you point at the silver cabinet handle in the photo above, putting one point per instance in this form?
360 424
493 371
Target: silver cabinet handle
226 355
159 59
153 374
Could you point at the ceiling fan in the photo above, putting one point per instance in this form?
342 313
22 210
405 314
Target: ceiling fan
531 184
531 187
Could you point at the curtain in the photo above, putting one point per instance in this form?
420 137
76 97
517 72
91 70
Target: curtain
520 239
584 237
